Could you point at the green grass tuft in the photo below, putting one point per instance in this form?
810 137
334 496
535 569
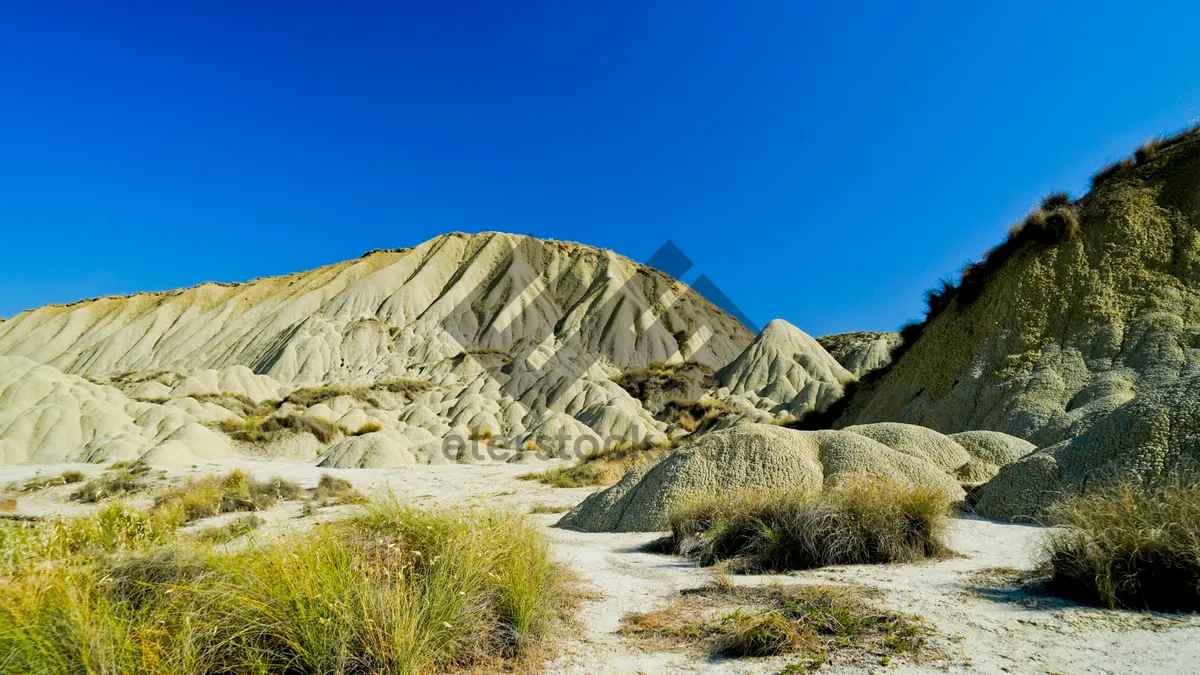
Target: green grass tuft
1129 544
212 496
121 482
393 590
861 521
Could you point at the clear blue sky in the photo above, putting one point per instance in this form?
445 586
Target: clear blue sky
821 164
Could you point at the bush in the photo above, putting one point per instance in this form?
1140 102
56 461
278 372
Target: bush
602 467
369 427
333 490
38 483
1130 544
234 529
860 521
394 590
121 482
695 416
270 429
659 382
409 388
212 496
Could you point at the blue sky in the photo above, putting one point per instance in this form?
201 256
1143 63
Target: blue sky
821 164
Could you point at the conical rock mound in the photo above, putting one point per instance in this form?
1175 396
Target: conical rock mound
784 369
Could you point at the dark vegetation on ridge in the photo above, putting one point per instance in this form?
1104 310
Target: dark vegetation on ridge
1056 220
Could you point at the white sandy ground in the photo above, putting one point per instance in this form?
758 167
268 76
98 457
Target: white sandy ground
982 627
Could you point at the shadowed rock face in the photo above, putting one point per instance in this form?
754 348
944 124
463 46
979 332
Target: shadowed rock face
506 335
862 352
1067 340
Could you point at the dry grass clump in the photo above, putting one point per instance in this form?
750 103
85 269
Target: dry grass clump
270 429
407 387
659 382
310 396
602 467
479 435
1131 544
1145 154
128 478
332 490
234 529
860 521
368 427
115 528
818 623
215 495
482 351
394 590
695 416
39 483
548 508
238 404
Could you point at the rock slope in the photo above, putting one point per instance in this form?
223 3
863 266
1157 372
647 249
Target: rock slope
508 336
772 457
784 369
1088 346
48 417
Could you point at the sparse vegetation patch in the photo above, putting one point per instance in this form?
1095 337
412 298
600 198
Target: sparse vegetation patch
392 590
39 483
660 382
816 623
695 416
126 479
234 529
861 521
407 387
332 490
603 467
215 495
1131 544
276 427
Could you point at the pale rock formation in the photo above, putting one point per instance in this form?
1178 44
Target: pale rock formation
785 369
752 456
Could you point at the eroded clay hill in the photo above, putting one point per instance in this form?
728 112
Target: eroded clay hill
1086 343
379 358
